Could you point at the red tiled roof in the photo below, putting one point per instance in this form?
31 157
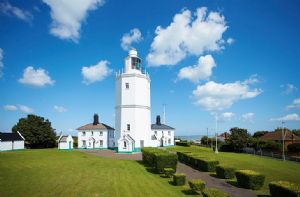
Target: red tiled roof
278 136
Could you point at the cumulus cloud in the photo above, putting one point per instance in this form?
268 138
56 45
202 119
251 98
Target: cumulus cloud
25 109
248 117
1 62
187 34
213 96
201 71
226 116
289 117
59 109
7 9
295 104
36 77
230 41
289 88
134 36
10 107
67 16
96 72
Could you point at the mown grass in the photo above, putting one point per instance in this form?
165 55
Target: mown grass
71 173
273 169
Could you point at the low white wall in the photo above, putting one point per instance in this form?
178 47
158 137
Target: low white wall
18 145
5 146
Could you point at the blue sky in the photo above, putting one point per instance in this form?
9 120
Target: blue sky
237 60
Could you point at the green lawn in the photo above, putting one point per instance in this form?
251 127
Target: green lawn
273 169
50 172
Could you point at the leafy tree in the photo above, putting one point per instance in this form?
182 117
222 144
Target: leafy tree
37 131
296 131
238 138
258 134
205 140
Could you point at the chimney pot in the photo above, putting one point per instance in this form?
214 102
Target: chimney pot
158 120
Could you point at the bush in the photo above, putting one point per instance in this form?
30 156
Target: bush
197 185
294 148
207 165
148 155
212 192
226 148
249 179
284 188
169 172
225 172
179 179
183 143
164 160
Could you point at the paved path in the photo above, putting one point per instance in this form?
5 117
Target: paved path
213 182
113 154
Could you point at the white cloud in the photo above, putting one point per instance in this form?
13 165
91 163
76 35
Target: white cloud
187 34
134 36
67 16
226 116
36 77
295 105
10 107
1 62
201 71
8 9
289 88
25 109
59 109
289 117
214 96
95 72
248 116
230 41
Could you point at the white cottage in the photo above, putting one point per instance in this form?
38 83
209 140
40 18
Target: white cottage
65 142
96 135
11 141
161 134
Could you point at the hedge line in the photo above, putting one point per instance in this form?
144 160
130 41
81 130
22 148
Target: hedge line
284 188
225 172
183 143
249 179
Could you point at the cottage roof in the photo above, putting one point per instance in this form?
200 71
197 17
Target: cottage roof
277 135
161 127
91 126
10 137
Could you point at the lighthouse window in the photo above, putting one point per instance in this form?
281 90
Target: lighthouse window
136 63
127 85
128 127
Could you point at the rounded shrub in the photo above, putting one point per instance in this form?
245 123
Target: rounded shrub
250 179
213 192
225 172
197 185
169 172
179 179
284 188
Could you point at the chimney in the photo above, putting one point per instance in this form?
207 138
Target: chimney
158 120
96 119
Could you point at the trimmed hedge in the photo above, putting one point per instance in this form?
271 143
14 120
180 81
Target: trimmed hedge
169 172
212 192
159 159
284 188
197 185
179 179
225 172
183 143
249 179
207 165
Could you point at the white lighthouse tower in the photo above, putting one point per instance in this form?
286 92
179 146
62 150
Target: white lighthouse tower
133 116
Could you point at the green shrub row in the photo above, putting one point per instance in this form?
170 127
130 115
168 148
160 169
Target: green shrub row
183 143
196 185
249 179
159 159
212 192
169 172
225 172
179 179
284 188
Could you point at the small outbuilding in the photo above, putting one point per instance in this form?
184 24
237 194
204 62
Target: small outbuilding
65 142
11 141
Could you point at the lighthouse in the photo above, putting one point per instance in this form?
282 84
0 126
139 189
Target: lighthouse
132 109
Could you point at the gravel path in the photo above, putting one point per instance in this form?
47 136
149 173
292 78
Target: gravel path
213 182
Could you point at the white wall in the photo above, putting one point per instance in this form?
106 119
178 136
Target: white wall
9 145
18 145
96 136
168 134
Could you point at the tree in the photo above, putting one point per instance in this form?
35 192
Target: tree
37 131
238 138
258 134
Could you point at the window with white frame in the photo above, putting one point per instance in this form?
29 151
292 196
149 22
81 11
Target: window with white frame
83 133
101 133
127 85
128 127
169 141
155 132
101 143
169 132
92 133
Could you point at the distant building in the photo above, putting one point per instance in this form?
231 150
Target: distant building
65 142
11 141
96 135
161 134
276 136
223 136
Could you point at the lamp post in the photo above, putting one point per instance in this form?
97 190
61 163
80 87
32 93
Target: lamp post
283 138
216 149
207 137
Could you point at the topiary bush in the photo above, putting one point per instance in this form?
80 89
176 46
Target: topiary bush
207 165
164 160
169 172
197 185
213 192
225 172
284 188
179 179
148 155
249 179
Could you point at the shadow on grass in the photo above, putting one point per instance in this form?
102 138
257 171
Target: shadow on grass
189 192
262 195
